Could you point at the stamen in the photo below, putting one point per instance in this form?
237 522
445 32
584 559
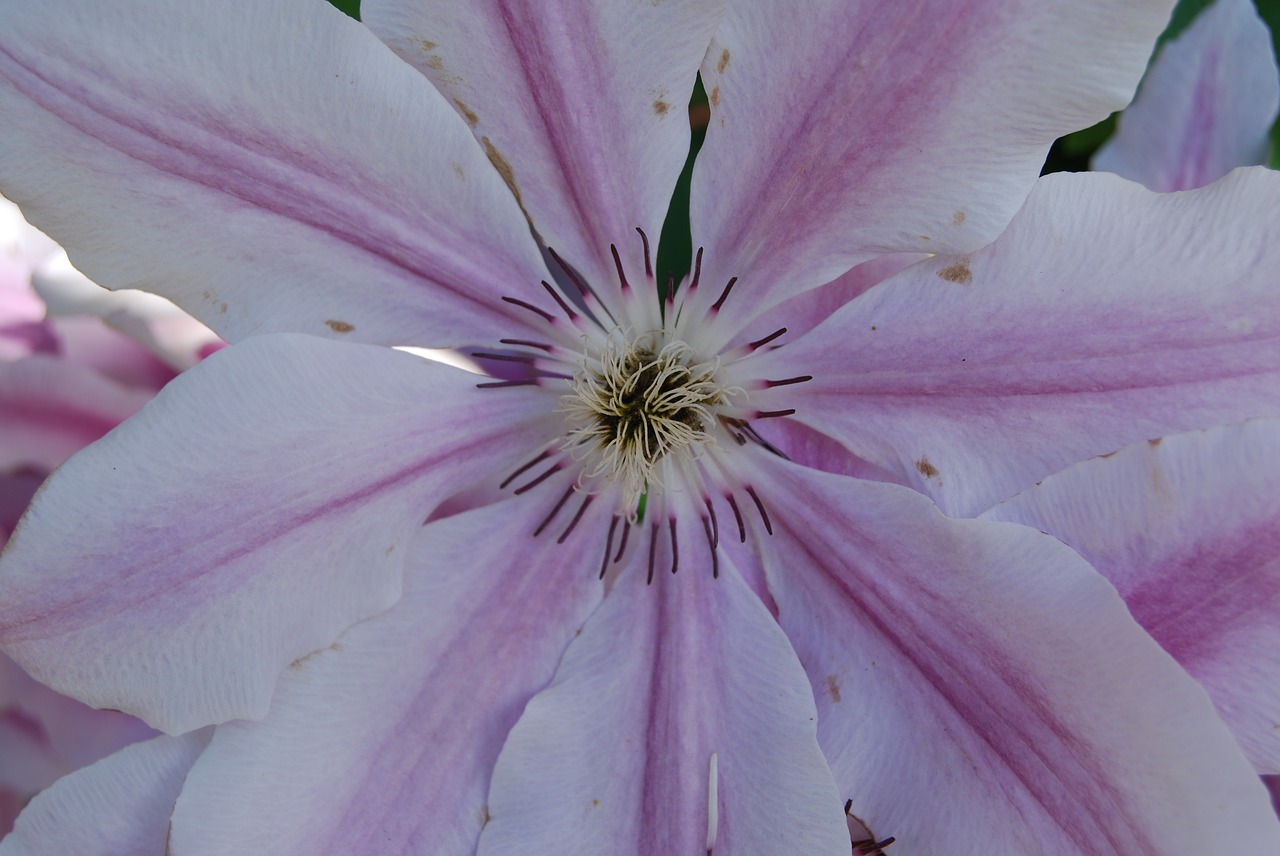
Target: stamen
525 343
675 548
503 384
760 343
626 530
617 262
764 515
559 505
648 268
546 316
773 414
573 316
697 272
653 543
571 273
524 468
608 545
737 515
574 522
555 468
715 524
769 384
724 295
711 542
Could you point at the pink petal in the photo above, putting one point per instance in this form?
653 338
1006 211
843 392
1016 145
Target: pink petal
670 688
582 106
254 510
981 689
120 805
173 146
1205 107
1104 315
857 129
391 736
50 408
1188 530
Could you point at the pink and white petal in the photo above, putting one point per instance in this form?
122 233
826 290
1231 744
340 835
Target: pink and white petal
857 129
256 508
680 702
173 146
981 689
386 743
50 408
581 106
1188 530
120 805
1205 107
1104 315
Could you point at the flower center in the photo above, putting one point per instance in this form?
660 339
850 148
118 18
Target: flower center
637 400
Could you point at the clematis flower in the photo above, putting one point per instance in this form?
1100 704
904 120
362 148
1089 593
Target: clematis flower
789 624
1205 107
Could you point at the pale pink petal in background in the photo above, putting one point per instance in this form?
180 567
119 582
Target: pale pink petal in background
1205 107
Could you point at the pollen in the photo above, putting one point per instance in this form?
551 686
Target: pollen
637 400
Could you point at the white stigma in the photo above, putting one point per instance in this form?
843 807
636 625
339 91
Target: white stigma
636 401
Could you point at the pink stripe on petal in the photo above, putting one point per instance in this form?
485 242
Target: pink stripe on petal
982 690
616 755
1104 315
1188 530
386 742
255 509
843 131
581 106
328 190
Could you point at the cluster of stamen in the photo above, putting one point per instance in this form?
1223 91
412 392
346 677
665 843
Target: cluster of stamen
637 401
650 418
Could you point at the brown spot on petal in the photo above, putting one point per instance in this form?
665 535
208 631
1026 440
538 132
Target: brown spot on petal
926 469
957 271
340 326
1155 442
467 112
833 688
957 218
503 166
724 61
427 44
435 63
660 107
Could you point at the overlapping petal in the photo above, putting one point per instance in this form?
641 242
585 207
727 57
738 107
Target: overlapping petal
412 706
258 506
679 699
856 129
276 169
120 805
581 106
1205 107
981 689
1188 531
1106 314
